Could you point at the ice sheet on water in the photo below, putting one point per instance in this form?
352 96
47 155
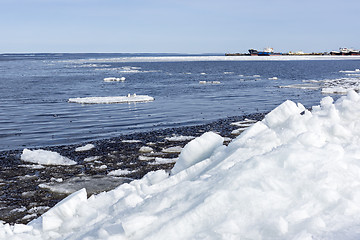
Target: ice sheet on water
44 157
294 175
109 100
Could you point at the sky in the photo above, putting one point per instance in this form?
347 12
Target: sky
177 26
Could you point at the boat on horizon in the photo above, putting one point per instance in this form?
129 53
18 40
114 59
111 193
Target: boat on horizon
266 52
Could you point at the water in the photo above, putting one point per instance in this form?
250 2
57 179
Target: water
34 90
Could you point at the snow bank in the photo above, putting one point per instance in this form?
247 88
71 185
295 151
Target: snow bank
108 100
44 157
294 175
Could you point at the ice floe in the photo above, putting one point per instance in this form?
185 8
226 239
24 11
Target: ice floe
114 79
350 71
44 157
209 82
108 100
293 175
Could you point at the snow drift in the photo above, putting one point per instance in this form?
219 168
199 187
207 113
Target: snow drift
294 175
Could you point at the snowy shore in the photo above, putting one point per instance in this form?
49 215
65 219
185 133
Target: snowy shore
294 175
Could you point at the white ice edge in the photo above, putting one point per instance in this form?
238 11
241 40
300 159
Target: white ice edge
212 58
293 175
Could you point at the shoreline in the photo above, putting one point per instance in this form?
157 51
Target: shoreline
30 189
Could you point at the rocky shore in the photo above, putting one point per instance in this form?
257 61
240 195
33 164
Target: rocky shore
28 190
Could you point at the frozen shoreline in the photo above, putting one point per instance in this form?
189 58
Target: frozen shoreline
293 175
91 162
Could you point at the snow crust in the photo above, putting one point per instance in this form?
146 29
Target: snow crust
294 175
108 100
44 157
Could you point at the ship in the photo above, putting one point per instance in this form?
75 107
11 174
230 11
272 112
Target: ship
266 52
345 51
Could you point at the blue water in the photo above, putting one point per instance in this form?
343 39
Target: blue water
34 92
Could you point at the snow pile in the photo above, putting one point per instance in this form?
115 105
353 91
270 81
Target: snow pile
44 157
294 175
108 100
114 79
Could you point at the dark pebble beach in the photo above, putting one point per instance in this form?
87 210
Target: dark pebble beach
25 198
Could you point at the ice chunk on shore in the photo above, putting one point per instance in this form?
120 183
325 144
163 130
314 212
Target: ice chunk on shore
175 149
197 150
120 172
87 147
114 79
179 138
44 157
108 100
145 149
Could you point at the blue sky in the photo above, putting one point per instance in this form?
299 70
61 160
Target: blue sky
183 26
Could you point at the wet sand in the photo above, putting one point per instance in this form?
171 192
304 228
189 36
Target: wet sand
28 190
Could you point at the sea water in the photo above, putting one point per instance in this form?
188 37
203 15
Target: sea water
188 90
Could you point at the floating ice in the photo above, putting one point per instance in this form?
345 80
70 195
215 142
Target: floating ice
339 90
294 175
301 86
209 82
87 147
44 157
350 71
114 79
108 100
